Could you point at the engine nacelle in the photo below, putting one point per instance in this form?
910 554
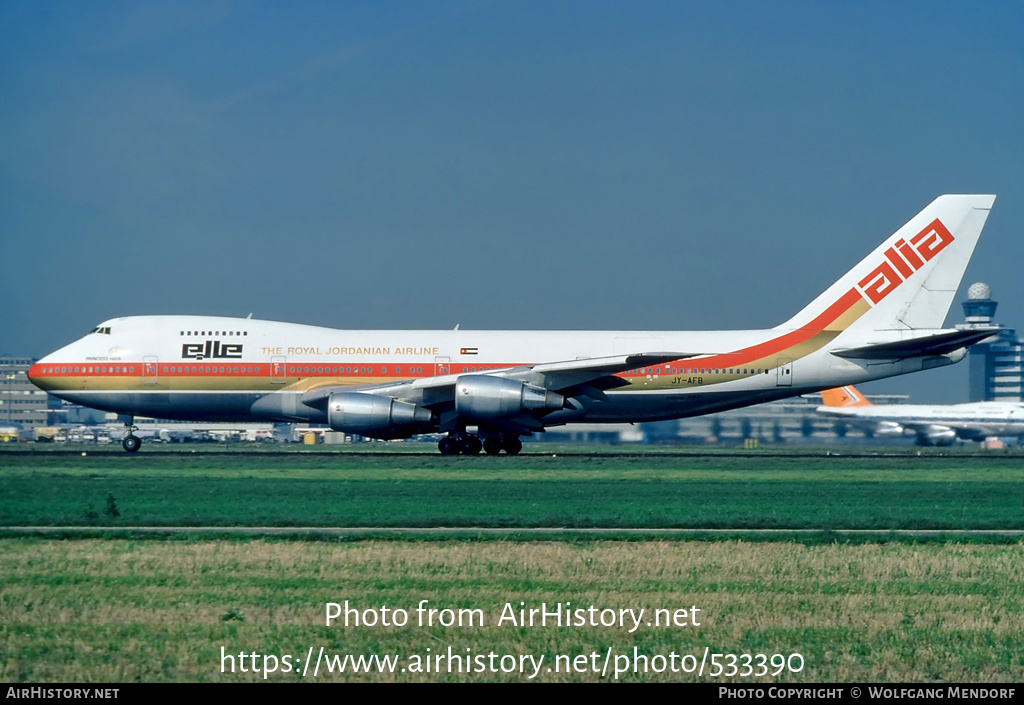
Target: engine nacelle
888 429
374 416
939 435
485 398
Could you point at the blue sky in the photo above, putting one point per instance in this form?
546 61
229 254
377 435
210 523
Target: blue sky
651 165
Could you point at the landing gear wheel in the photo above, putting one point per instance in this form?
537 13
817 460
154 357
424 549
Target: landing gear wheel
131 443
471 445
492 446
512 445
448 446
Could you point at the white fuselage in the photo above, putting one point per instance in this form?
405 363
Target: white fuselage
975 420
199 368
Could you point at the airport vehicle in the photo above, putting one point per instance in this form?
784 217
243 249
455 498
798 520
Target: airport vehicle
932 424
486 389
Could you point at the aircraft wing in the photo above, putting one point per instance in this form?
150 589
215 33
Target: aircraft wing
588 376
562 376
933 433
947 429
877 427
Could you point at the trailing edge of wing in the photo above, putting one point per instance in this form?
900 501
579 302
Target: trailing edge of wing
613 364
937 343
559 376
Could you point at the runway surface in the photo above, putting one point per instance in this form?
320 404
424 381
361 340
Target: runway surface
488 531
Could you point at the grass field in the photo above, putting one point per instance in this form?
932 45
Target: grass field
753 490
121 611
118 610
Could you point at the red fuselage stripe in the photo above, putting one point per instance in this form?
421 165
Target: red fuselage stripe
294 370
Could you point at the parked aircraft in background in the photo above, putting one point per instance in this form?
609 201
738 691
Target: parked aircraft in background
486 389
933 424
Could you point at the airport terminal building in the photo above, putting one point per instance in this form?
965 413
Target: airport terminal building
22 404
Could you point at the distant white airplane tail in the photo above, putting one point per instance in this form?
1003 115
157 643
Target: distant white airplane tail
909 281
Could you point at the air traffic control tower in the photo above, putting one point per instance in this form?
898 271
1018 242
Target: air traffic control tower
995 362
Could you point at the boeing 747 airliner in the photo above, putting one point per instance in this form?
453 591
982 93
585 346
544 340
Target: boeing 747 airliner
486 389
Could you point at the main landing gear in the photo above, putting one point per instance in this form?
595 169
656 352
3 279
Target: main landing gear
131 442
470 444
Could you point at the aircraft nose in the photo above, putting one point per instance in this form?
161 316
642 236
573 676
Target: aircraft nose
42 372
35 373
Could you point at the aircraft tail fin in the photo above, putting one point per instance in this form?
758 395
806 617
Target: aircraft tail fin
909 281
843 397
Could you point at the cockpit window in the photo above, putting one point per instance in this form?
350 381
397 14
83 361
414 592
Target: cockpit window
103 330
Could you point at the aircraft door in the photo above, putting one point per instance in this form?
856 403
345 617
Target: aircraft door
278 371
149 369
442 366
784 367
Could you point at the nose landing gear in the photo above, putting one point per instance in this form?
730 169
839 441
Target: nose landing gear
131 443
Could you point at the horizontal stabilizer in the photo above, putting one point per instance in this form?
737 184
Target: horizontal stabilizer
939 343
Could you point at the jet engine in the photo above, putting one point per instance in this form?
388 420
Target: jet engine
485 398
888 429
375 416
938 435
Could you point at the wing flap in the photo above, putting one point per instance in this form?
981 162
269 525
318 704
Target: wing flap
613 364
559 376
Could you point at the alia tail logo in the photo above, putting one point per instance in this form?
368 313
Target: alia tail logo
212 349
903 259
